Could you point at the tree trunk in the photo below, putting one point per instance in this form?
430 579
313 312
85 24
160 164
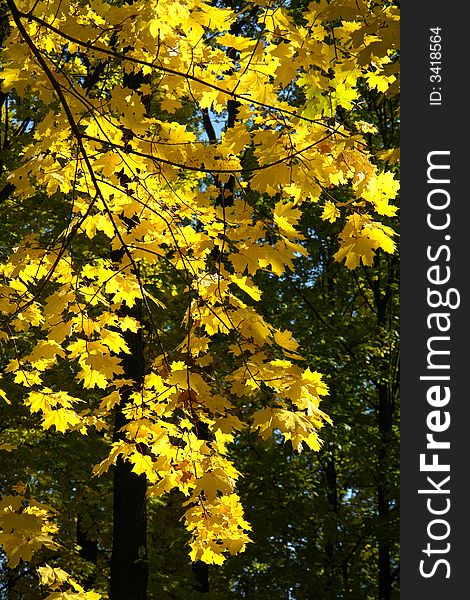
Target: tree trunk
129 563
201 569
201 574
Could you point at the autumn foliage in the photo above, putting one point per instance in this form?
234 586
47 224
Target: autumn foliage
180 141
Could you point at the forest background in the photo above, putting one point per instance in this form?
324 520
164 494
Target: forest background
196 224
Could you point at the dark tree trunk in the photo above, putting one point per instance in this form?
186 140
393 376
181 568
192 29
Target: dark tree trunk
129 562
201 574
201 569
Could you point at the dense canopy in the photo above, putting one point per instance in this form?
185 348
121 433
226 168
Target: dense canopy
166 169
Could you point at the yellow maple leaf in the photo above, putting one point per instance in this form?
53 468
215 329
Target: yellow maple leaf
285 339
141 463
286 217
360 238
330 212
92 378
62 418
114 341
380 81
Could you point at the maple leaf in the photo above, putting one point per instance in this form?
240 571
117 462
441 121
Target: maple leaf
330 212
380 81
61 418
213 482
286 216
142 463
25 528
92 378
360 238
285 339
